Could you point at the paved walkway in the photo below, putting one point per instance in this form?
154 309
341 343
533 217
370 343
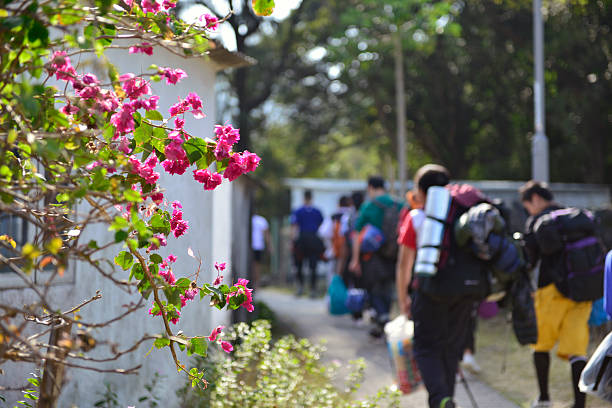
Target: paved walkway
344 342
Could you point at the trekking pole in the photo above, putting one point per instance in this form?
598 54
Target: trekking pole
467 388
506 342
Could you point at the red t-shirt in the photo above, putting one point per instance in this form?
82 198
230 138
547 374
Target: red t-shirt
409 227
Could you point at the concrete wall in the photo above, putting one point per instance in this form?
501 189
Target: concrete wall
209 235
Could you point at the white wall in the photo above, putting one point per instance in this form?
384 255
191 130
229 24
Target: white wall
209 235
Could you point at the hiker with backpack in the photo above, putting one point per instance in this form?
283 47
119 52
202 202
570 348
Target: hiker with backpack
447 281
570 276
374 249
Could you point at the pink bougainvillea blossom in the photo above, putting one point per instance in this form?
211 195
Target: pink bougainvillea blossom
175 152
124 145
179 123
61 66
144 48
210 180
192 102
175 166
243 290
218 280
150 6
168 276
227 346
220 267
69 109
161 238
177 224
167 4
134 86
240 163
215 332
222 150
123 120
176 205
172 76
157 197
227 133
211 22
171 258
175 319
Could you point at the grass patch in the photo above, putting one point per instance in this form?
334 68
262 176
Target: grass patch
494 338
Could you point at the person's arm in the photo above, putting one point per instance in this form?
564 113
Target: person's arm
354 264
403 276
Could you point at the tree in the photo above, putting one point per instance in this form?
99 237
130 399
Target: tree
96 143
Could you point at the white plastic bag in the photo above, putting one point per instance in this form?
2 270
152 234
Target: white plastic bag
596 378
399 333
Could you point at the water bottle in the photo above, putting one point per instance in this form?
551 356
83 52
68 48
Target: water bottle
429 240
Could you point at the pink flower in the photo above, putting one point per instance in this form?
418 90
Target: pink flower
69 109
172 76
175 152
222 150
191 293
178 108
107 101
124 145
167 5
220 267
212 22
90 79
149 104
175 319
175 167
134 87
60 64
176 205
235 167
227 133
144 48
210 180
177 224
171 258
196 105
162 242
123 120
157 197
226 346
168 276
93 165
216 331
179 123
251 160
150 6
218 280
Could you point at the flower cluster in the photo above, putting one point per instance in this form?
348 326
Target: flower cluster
145 170
210 179
144 48
192 102
172 76
243 290
211 22
220 267
178 225
225 345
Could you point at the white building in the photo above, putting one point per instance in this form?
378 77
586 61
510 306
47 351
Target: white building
213 235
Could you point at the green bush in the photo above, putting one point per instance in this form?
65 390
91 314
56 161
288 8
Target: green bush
285 374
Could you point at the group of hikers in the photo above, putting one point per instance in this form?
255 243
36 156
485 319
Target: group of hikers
448 248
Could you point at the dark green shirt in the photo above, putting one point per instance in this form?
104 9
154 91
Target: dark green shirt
370 213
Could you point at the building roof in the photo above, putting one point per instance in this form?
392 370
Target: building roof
228 59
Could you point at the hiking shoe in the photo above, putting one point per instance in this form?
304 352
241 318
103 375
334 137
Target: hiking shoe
469 363
541 404
447 403
376 332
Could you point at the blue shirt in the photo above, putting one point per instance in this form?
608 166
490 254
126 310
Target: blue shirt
307 218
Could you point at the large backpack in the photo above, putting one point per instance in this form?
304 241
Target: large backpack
571 234
459 272
391 215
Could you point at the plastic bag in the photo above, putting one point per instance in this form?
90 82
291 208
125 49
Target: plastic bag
596 378
355 300
337 296
399 333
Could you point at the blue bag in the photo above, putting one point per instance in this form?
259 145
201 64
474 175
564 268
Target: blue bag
598 314
372 239
355 300
337 296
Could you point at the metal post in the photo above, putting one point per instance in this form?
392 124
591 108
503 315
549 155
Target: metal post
400 98
539 146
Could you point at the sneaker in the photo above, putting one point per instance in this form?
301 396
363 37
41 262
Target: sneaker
447 403
469 363
541 404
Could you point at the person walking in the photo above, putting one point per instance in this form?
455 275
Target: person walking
559 318
260 242
441 302
307 246
376 269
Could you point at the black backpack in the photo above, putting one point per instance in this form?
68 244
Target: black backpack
391 215
571 234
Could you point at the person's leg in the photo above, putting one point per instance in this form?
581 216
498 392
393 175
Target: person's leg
541 361
312 262
577 364
299 263
430 336
459 316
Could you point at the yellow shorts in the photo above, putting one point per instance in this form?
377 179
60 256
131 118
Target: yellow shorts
561 319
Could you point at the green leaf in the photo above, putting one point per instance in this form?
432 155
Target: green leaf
263 7
125 260
119 223
156 258
195 148
154 115
137 272
198 346
121 235
161 342
183 284
143 133
133 196
173 296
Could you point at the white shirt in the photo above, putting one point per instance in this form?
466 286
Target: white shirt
259 225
